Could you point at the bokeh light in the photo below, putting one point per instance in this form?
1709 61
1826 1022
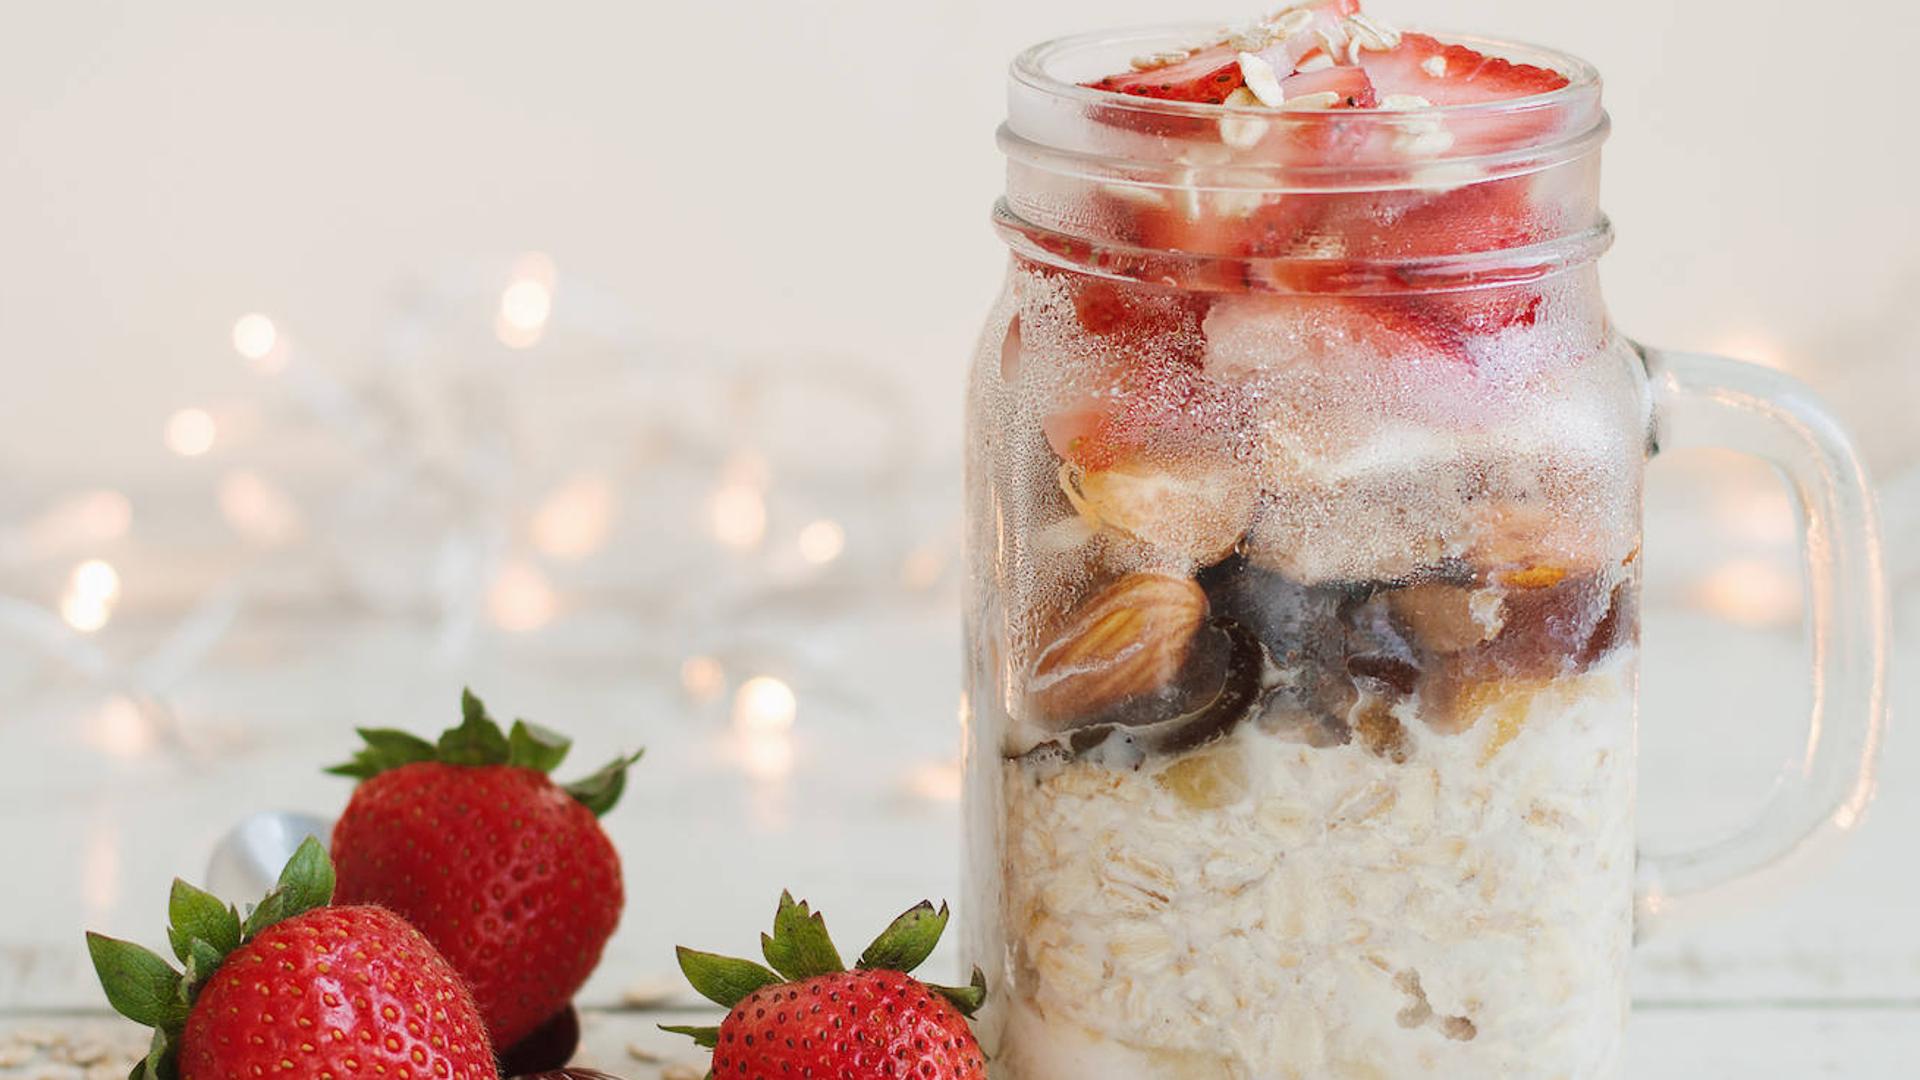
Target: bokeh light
190 432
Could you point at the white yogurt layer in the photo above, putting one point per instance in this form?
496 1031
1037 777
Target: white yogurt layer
1260 910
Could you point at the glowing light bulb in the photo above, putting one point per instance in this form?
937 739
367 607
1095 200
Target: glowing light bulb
822 541
96 578
922 567
575 520
702 678
120 729
254 338
764 704
520 598
190 432
526 304
1752 592
91 591
258 510
767 755
936 781
81 520
737 514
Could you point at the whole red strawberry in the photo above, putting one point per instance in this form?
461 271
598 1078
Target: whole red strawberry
506 872
299 990
810 1016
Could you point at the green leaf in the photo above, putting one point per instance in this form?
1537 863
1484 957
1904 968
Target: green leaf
306 882
708 1037
160 1058
600 791
202 961
723 980
907 942
799 947
386 748
140 985
968 998
535 747
477 741
196 914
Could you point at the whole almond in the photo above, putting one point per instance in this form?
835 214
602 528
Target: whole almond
1129 638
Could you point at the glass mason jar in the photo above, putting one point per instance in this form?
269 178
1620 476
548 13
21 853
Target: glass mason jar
1304 485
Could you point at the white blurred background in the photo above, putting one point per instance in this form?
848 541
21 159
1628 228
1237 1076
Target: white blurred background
609 356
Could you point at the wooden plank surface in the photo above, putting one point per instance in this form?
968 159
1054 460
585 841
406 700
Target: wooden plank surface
1667 1043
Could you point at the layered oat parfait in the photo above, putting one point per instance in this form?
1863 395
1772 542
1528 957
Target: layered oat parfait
1304 485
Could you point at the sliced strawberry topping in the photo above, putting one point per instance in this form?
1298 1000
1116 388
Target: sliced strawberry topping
1454 74
1351 84
1212 73
1207 76
1328 241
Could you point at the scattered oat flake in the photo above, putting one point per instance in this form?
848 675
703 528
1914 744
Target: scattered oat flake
1372 33
1291 21
1262 80
1325 99
640 1053
680 1070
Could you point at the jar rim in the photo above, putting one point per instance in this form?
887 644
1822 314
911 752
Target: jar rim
1030 68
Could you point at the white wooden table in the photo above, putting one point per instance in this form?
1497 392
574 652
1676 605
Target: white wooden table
1755 1043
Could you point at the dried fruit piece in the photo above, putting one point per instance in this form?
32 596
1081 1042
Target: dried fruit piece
1534 577
1380 731
1128 639
1443 618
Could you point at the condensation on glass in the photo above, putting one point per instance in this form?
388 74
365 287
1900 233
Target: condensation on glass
1304 486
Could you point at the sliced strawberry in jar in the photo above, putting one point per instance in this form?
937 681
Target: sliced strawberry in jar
1210 74
1207 76
1351 87
1445 74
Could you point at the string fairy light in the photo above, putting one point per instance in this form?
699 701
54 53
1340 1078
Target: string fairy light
575 520
92 589
1751 592
737 515
190 432
257 341
526 303
120 729
703 678
763 713
822 541
520 599
258 510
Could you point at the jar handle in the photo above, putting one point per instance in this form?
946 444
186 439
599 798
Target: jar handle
1709 401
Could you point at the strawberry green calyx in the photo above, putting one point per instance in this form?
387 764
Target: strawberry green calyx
799 949
143 987
479 740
